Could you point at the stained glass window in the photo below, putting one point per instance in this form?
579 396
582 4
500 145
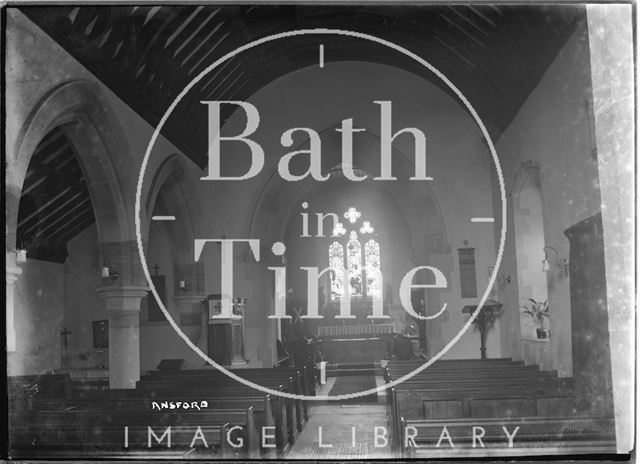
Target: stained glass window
372 268
366 228
363 269
336 265
354 265
352 214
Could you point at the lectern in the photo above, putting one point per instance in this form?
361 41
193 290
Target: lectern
486 317
226 336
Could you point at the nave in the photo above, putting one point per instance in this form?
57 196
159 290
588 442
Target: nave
456 408
509 262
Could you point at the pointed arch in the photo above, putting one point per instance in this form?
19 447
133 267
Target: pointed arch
354 265
336 266
373 274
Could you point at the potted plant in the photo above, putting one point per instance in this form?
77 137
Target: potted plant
539 311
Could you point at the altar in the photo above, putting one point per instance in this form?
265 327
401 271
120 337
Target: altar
356 344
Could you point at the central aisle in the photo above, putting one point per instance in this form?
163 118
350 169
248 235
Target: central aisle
336 421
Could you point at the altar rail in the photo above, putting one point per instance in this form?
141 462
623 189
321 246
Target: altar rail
346 330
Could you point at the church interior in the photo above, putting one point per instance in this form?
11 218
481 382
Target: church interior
504 263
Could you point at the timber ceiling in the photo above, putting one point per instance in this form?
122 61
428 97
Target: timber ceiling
495 54
54 205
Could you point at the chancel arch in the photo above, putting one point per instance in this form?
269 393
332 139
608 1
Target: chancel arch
425 216
278 202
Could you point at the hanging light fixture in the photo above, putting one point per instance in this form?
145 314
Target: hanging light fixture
21 256
107 272
561 263
21 253
183 284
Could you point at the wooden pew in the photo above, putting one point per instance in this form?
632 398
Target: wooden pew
282 409
165 389
286 410
268 411
466 389
62 443
217 381
488 361
23 389
304 381
466 382
535 435
478 380
82 430
479 402
287 416
395 369
457 364
305 375
475 367
41 386
499 376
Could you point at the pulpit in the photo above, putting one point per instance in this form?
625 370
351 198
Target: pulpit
484 321
226 336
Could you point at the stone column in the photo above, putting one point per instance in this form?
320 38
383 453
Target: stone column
13 271
123 308
611 52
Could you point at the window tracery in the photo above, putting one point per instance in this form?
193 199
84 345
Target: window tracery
361 261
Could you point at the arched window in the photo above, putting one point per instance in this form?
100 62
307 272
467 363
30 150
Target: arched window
336 259
372 268
354 264
362 266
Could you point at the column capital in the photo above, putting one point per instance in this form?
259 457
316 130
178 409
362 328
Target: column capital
123 297
12 274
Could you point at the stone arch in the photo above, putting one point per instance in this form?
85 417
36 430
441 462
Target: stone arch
416 201
173 191
80 109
